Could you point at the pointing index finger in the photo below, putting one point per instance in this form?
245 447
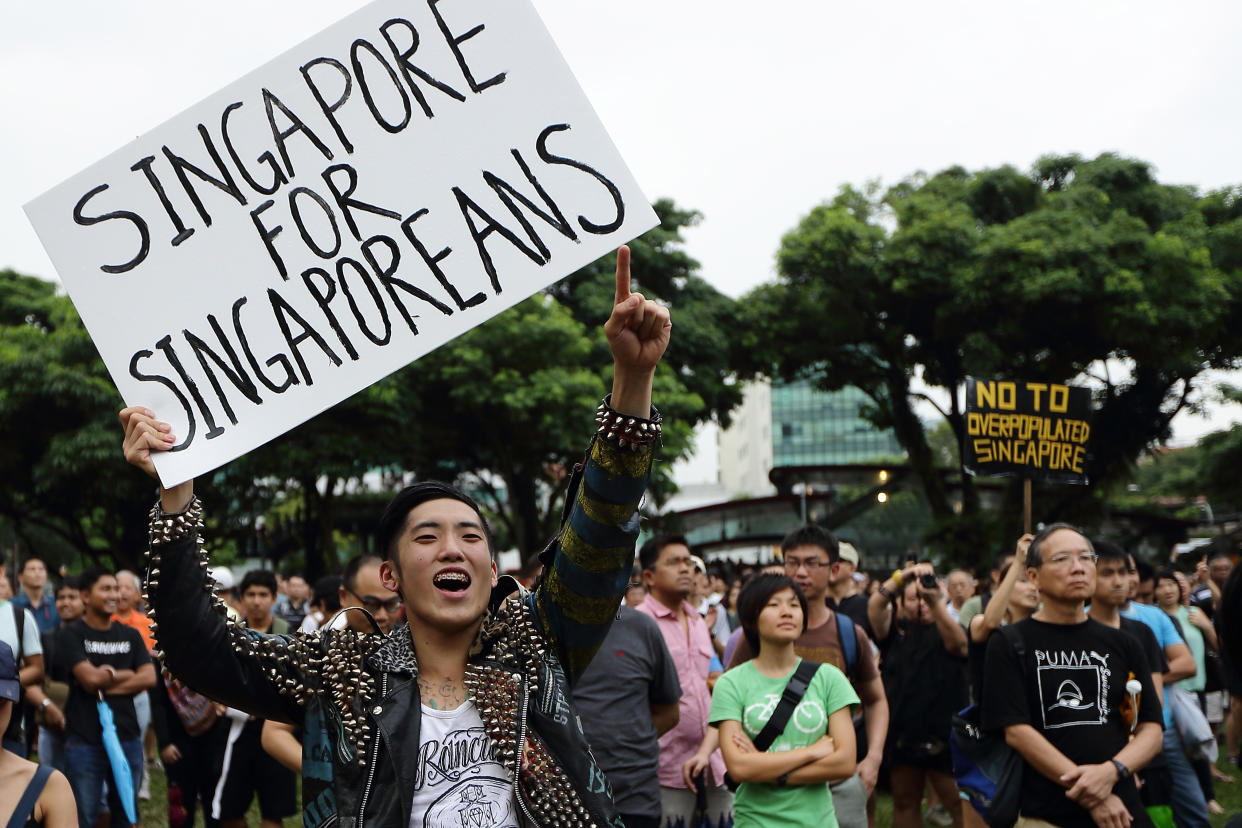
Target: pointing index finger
623 274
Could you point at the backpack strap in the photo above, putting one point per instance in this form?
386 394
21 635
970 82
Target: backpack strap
794 691
19 623
849 642
1010 631
25 807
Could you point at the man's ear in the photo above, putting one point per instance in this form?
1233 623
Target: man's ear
390 576
834 570
648 577
495 574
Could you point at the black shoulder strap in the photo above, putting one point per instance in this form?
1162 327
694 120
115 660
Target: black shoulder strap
30 797
19 623
1010 631
794 691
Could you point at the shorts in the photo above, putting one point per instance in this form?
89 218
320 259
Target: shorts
933 755
246 770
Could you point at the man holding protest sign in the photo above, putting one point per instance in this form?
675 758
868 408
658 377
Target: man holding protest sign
471 696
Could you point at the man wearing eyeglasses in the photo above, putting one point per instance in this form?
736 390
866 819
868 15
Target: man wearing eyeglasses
363 587
1060 701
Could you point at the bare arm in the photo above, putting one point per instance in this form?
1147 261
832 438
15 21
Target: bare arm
1181 662
750 765
982 625
1205 626
55 807
839 764
31 673
692 767
880 609
665 717
1038 752
92 679
951 632
1090 785
875 704
279 742
137 681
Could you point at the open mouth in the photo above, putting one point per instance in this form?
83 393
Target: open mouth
451 580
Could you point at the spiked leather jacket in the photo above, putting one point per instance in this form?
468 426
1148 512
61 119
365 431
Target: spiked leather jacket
356 694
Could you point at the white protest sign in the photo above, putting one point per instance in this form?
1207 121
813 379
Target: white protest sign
385 186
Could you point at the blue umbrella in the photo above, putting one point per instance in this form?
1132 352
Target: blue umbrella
116 756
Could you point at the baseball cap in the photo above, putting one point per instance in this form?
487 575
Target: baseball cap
699 566
848 553
10 688
223 577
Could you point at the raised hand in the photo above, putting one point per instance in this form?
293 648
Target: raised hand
146 436
638 333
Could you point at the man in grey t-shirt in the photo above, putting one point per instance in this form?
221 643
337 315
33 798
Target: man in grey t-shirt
626 699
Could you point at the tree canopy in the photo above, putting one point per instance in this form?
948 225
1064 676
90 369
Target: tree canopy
1086 270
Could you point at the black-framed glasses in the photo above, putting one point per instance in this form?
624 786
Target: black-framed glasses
372 604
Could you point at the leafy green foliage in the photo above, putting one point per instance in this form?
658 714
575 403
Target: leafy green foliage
1082 268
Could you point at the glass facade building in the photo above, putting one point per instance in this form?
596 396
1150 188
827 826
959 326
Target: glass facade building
811 427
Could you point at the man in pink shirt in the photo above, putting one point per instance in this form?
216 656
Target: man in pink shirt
668 575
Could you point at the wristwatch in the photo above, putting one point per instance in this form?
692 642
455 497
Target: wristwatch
1122 771
46 701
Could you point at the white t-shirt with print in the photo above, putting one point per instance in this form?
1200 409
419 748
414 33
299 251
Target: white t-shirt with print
8 632
458 781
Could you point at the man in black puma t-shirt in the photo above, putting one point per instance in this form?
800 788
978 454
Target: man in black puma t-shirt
1060 704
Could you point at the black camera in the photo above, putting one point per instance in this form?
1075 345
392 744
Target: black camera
928 581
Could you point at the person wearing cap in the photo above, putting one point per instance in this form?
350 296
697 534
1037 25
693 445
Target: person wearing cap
463 714
30 794
843 595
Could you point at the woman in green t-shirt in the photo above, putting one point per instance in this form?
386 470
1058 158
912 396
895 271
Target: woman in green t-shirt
788 784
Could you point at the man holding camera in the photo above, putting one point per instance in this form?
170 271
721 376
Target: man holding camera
924 655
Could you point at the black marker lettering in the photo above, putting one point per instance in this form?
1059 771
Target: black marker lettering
454 42
344 200
302 228
144 235
433 262
323 298
224 183
467 205
597 229
388 278
281 136
266 159
280 359
506 193
329 110
375 297
182 232
191 424
235 372
402 56
283 312
268 235
363 45
165 345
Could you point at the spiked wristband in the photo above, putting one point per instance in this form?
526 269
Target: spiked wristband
624 431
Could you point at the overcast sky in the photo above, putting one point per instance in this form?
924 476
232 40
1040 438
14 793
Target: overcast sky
751 113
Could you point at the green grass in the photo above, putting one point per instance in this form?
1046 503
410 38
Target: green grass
1229 795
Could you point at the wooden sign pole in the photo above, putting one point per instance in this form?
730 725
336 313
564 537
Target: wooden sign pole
1026 505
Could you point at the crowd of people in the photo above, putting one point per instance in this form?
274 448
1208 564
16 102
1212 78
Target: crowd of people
421 687
691 669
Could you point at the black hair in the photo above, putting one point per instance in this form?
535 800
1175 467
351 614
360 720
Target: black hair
392 522
650 551
1145 570
264 578
32 558
355 565
327 591
812 534
90 576
754 597
1168 573
1107 551
73 582
1035 555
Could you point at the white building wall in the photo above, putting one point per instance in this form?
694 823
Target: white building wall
745 447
